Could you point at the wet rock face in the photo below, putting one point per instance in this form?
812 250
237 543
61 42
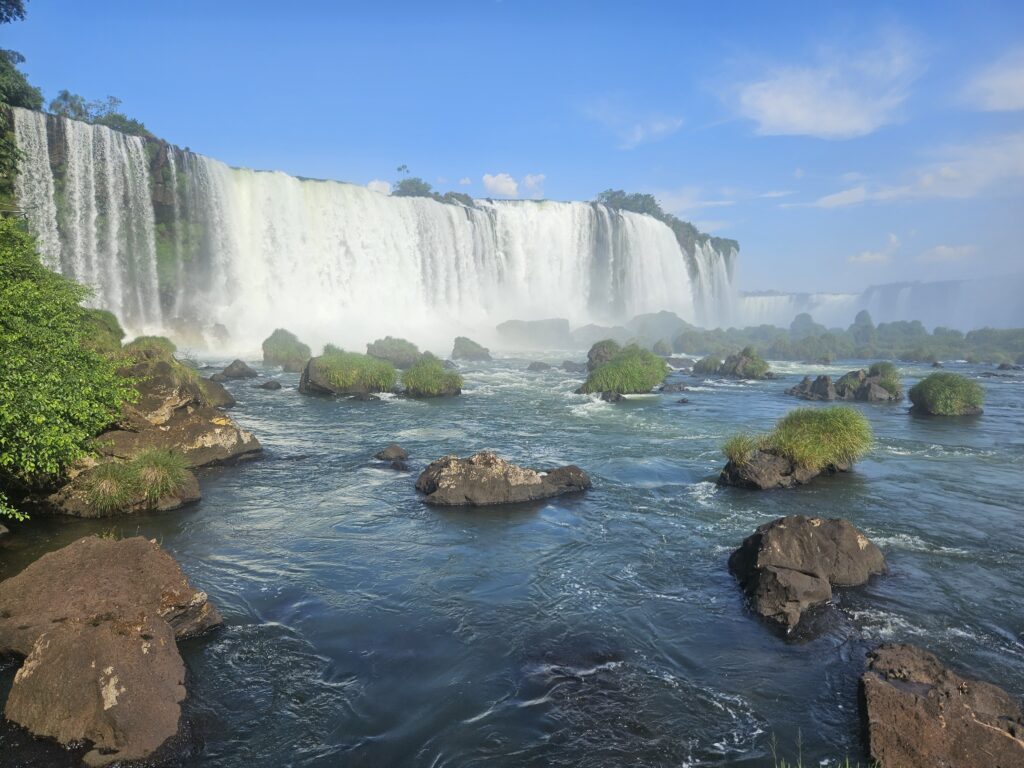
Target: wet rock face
612 397
394 452
918 712
97 623
485 479
764 470
271 384
791 564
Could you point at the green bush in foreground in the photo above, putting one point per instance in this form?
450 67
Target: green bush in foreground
352 372
631 371
947 394
812 438
283 348
56 394
399 352
890 377
429 378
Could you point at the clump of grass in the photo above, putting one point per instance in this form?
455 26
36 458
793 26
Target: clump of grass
631 371
707 366
101 332
352 372
890 377
947 394
283 348
399 352
150 346
748 364
429 378
111 487
812 438
160 472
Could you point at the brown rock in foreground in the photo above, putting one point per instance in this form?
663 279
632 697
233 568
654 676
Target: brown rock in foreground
920 713
791 564
97 622
485 479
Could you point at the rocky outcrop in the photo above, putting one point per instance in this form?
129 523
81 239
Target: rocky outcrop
791 564
467 349
572 367
673 387
538 367
97 622
214 394
394 452
745 365
764 470
484 479
238 370
600 353
918 712
854 386
535 334
72 499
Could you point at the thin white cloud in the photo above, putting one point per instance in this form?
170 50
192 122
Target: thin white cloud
798 173
381 186
534 184
712 226
632 129
881 256
849 196
944 254
843 96
687 199
774 193
465 181
1000 87
501 184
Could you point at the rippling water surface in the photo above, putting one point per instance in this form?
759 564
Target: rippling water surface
364 628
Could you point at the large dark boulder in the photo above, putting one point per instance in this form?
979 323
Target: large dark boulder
484 479
466 349
271 384
918 712
394 452
820 388
239 370
216 395
764 470
97 623
612 397
791 564
857 385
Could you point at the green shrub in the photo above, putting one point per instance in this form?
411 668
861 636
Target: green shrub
707 366
112 487
740 447
331 349
631 371
352 372
947 394
815 438
429 378
399 352
56 394
150 346
159 472
890 377
662 348
283 348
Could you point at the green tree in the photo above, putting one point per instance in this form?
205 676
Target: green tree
14 87
412 186
70 105
11 10
55 394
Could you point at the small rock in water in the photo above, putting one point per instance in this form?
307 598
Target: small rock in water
537 367
273 384
936 364
238 370
218 378
484 479
400 466
394 452
366 397
683 400
674 386
612 397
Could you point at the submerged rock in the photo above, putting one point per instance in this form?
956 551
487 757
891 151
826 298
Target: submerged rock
764 470
672 387
272 384
537 367
921 713
612 397
570 367
484 479
394 452
791 564
239 370
97 622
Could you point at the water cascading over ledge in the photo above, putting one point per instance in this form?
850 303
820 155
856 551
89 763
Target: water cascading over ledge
172 240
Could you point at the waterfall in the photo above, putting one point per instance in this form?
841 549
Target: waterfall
172 240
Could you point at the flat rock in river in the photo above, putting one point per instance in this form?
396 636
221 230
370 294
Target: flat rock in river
485 479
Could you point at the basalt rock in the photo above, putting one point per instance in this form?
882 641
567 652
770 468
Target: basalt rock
485 479
918 712
394 452
467 349
764 470
673 387
855 385
272 384
612 397
791 564
239 370
216 395
72 499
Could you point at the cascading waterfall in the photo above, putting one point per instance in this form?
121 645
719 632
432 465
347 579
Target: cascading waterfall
173 240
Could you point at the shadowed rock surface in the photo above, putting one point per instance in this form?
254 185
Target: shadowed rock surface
920 713
466 349
272 384
791 564
855 385
764 470
484 478
394 452
238 369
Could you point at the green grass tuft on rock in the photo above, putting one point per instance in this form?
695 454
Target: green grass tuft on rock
740 447
111 487
150 346
947 394
352 372
632 370
283 348
399 352
159 472
429 378
890 377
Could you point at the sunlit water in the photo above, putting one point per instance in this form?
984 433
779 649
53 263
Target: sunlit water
365 628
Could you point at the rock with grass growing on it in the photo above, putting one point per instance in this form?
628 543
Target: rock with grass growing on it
429 378
601 352
466 349
337 372
805 443
484 479
879 384
746 364
791 564
630 371
283 348
400 353
920 713
947 394
707 366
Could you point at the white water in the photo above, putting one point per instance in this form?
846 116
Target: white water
333 261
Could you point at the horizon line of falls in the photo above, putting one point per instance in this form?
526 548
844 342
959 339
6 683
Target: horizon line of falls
175 241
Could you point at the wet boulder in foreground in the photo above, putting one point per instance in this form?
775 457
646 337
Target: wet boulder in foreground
485 478
791 564
919 712
97 622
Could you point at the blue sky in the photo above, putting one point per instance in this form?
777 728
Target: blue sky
842 145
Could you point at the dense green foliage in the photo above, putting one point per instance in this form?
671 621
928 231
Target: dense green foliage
15 89
352 372
947 394
707 366
283 348
101 332
55 393
812 438
101 112
413 186
399 352
114 486
429 378
153 346
900 340
686 234
632 370
11 10
890 377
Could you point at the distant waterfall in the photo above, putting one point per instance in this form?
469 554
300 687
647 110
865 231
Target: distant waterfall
171 239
